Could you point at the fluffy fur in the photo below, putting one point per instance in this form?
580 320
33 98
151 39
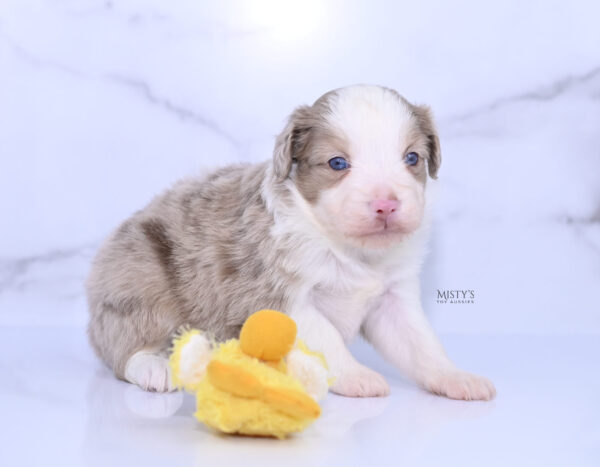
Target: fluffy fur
339 251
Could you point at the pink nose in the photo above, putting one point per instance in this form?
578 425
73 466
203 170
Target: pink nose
383 208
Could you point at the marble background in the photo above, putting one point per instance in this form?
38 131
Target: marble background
103 103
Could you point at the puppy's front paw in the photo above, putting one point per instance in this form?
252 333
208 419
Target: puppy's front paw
461 385
361 382
149 371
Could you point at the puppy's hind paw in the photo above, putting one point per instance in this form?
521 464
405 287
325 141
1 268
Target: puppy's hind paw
149 371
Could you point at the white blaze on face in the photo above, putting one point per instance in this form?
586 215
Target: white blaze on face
379 129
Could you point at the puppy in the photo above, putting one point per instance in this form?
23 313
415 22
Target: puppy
330 231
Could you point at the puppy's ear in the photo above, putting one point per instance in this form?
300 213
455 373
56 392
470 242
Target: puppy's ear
427 127
291 141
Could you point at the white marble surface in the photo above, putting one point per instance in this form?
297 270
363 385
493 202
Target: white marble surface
103 103
59 407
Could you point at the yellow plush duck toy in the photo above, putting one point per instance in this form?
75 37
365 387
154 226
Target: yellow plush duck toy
267 383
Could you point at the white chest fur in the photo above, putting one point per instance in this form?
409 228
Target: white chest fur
344 289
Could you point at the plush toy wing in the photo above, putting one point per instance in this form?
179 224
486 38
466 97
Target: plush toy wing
310 368
189 358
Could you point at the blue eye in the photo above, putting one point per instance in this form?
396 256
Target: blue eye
411 158
338 163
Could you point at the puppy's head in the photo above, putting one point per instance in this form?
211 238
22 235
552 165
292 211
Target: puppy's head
360 156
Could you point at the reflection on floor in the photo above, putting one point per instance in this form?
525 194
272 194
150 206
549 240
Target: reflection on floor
60 404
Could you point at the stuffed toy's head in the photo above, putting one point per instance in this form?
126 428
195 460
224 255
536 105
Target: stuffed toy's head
266 383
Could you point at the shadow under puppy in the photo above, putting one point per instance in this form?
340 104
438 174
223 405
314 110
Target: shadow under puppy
331 231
